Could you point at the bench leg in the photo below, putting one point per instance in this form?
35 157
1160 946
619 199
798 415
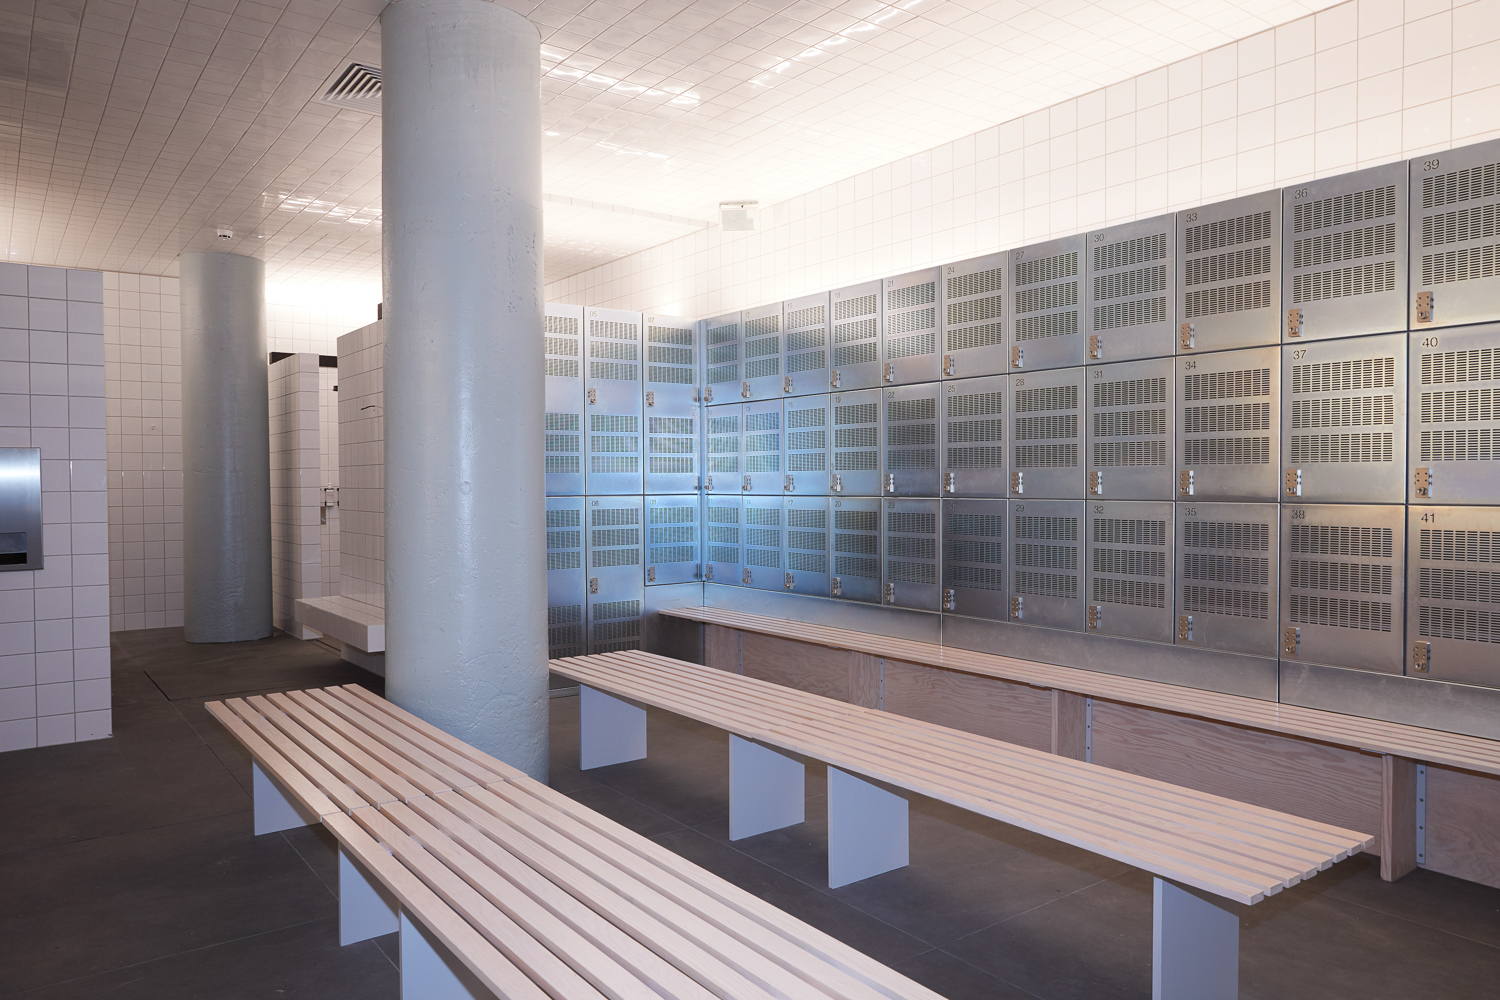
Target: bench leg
767 789
610 730
274 809
430 972
1195 951
869 831
366 909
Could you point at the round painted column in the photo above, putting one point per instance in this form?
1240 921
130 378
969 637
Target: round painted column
465 534
226 449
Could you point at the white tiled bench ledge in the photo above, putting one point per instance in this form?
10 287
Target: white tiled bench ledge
354 622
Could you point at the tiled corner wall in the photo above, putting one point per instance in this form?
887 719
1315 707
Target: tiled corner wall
1366 82
296 542
328 474
54 622
362 463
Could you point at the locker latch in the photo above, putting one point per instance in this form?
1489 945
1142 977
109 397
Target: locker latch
1017 356
1016 608
1185 337
786 384
1093 615
1421 656
708 394
650 398
708 482
1185 483
593 585
890 593
835 587
1096 346
890 372
786 581
745 485
834 380
948 365
708 572
1096 482
746 578
950 600
593 396
1424 307
787 484
949 482
1294 482
1184 628
890 482
1291 638
1294 323
1422 479
744 390
837 483
1017 482
650 574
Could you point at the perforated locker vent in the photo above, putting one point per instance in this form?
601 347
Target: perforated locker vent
1039 568
1341 540
1228 299
616 626
670 356
921 294
806 339
1344 209
763 537
962 286
1128 253
807 540
1460 366
1148 423
856 544
563 443
614 443
799 319
1361 279
1448 545
561 345
807 439
1460 406
975 310
1475 586
721 535
1239 536
1348 244
1476 444
1341 577
1222 576
564 630
1227 232
1123 284
1459 226
673 534
1226 385
671 445
724 444
856 437
1344 376
974 551
763 346
564 539
911 433
910 334
614 537
762 447
975 307
722 353
1064 265
1312 449
911 540
611 346
1464 624
976 431
860 305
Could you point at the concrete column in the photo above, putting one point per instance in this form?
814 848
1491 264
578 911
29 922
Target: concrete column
226 444
465 534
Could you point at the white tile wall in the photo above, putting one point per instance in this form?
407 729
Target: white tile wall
328 448
296 493
1358 84
362 464
54 622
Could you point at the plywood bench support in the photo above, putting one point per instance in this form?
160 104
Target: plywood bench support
1195 950
366 908
721 648
869 829
275 810
429 971
1070 725
1398 816
610 730
767 789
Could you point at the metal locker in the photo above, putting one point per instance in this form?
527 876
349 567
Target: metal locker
910 567
973 450
672 411
612 400
910 435
1131 430
1228 438
974 338
567 583
1343 421
1132 290
672 552
974 558
1454 199
721 358
721 539
856 549
1046 434
911 327
1227 575
721 449
763 566
760 448
806 425
1229 274
808 546
1341 584
1454 416
856 336
616 584
1453 593
1046 327
806 348
762 376
1046 585
563 392
855 455
1130 563
1343 255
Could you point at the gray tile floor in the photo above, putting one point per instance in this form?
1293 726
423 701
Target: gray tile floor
127 870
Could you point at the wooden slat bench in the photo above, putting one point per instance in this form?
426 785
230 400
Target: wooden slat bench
502 887
1219 847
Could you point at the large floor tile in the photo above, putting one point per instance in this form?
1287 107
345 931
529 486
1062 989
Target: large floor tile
956 979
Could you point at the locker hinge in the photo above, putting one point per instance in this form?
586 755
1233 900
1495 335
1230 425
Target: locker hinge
1185 483
949 482
698 482
593 396
788 485
1096 482
708 483
1291 638
948 364
744 390
745 484
890 593
708 572
835 587
1422 479
708 394
1294 323
786 581
650 574
786 384
746 578
1017 482
1016 608
697 395
650 398
1185 337
1096 346
1094 615
1424 307
890 482
1184 628
1017 357
890 372
950 600
593 585
1421 657
834 379
1294 482
837 483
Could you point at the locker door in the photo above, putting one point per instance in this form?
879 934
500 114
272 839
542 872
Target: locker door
973 449
1130 563
910 564
721 358
762 375
1343 421
1228 438
563 391
1047 434
671 387
1453 594
856 549
1130 430
616 583
1132 289
567 583
1343 263
1454 198
856 443
721 540
721 448
856 336
974 558
807 545
1341 585
910 433
1046 586
806 349
760 447
974 338
1227 576
672 554
806 434
911 327
1229 274
1046 327
1454 416
763 544
612 389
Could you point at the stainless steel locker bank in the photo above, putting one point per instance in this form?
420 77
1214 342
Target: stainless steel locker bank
612 402
856 443
974 323
909 430
721 359
1341 584
974 555
763 543
1132 423
910 563
760 448
856 337
722 539
808 544
806 426
1046 563
975 460
1047 435
1047 328
1453 594
721 450
672 411
1227 575
1454 416
911 327
1130 565
856 548
1228 433
1229 274
567 581
806 349
563 391
672 551
1454 198
616 585
1132 290
760 353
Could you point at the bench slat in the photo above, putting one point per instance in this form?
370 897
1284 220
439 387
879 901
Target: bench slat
293 780
375 792
374 761
415 750
414 768
354 694
347 797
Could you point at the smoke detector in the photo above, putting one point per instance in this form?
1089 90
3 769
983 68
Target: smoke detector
226 234
737 216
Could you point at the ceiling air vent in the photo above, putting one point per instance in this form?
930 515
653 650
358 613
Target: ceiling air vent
356 86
